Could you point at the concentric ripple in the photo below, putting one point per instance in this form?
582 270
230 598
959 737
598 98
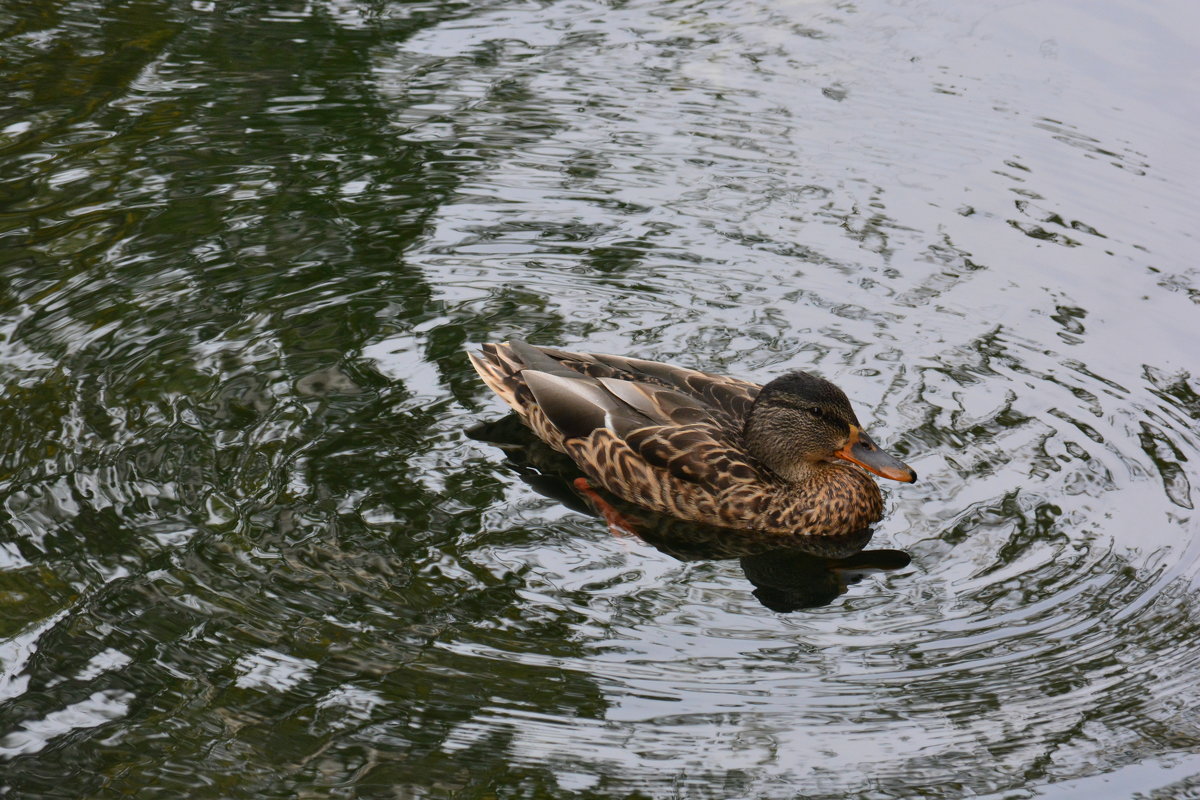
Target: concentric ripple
252 548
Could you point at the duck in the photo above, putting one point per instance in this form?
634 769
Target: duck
788 458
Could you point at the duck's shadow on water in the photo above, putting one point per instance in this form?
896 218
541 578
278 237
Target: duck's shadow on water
802 573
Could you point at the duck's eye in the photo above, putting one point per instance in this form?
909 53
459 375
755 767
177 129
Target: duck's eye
816 412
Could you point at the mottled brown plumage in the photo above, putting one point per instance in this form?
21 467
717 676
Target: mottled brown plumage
787 458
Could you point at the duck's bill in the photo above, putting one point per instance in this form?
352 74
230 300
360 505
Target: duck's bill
861 450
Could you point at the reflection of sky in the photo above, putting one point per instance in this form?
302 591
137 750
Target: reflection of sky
873 194
268 669
347 705
97 709
942 112
15 654
33 735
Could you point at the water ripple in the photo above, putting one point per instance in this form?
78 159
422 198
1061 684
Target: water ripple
249 549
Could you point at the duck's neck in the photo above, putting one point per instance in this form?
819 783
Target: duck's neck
777 450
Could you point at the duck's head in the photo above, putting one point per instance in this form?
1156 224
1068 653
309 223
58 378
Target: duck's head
799 422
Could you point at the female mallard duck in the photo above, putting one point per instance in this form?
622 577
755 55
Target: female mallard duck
786 458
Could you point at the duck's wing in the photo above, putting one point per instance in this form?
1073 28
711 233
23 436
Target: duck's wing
639 438
623 414
729 397
664 393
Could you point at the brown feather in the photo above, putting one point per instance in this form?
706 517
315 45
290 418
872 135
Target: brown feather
670 439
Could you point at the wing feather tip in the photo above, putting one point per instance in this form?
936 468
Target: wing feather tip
575 406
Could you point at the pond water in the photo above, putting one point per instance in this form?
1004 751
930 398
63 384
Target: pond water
250 548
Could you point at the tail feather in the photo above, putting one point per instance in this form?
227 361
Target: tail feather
499 376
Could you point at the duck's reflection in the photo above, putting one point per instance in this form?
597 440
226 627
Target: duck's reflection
804 573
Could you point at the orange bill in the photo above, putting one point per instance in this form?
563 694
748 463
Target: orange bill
861 450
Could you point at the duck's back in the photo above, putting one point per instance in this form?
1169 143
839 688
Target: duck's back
728 398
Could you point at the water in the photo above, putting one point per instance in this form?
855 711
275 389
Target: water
249 549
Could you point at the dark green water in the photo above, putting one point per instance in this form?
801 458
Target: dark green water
248 550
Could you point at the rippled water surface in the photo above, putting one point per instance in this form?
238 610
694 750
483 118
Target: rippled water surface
252 546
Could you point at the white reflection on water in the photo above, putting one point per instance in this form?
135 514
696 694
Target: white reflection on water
269 669
35 734
965 215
